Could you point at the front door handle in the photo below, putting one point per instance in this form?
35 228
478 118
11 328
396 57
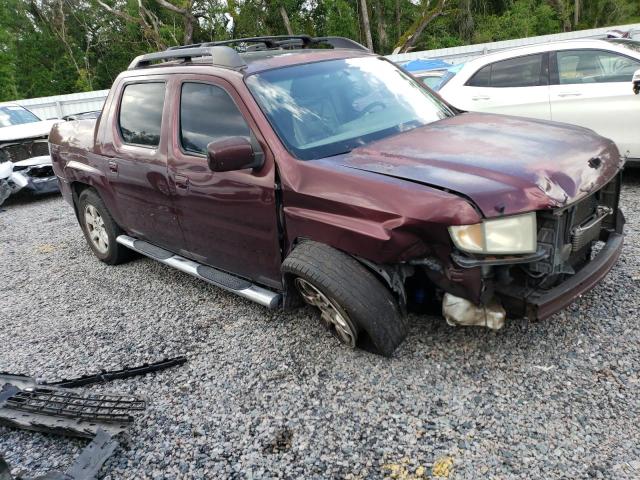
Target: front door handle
570 94
182 182
481 97
113 166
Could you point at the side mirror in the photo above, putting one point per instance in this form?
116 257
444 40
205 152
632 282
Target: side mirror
636 82
233 153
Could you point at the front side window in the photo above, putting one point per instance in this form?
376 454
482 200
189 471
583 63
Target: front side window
594 66
327 108
141 113
16 115
207 114
526 71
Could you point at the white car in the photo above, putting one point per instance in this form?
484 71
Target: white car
24 152
583 82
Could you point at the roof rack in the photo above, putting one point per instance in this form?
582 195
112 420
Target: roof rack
220 55
281 42
223 55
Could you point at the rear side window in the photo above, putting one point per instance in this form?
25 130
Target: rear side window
526 71
207 114
141 113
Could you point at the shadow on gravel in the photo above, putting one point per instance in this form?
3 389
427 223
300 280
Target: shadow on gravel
22 198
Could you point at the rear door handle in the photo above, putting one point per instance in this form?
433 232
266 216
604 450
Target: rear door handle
481 97
570 94
113 166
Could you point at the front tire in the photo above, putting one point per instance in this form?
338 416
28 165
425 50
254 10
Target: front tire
100 230
358 309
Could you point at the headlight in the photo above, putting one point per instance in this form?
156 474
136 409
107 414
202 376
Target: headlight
509 235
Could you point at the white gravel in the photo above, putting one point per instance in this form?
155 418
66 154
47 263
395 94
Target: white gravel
270 395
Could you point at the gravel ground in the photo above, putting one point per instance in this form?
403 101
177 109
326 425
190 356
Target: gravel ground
269 394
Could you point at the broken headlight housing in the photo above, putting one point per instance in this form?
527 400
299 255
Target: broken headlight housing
501 236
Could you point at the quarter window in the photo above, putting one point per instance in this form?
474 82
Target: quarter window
594 66
526 71
481 78
141 113
207 114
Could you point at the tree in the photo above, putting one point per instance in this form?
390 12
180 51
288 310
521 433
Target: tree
189 18
51 47
285 19
364 13
427 15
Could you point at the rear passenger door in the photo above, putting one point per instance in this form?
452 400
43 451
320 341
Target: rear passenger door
228 218
592 88
516 86
137 162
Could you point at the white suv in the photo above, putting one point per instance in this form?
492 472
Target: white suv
583 82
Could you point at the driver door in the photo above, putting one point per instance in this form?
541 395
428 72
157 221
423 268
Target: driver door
229 219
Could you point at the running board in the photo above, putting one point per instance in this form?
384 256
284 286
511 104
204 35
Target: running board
239 286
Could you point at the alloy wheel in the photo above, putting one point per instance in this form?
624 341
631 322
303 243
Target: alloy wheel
96 229
332 316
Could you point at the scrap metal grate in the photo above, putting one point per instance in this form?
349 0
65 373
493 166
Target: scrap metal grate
56 402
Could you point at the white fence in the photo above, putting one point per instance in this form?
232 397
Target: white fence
463 54
61 105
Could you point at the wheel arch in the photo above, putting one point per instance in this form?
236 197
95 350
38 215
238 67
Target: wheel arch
391 276
79 186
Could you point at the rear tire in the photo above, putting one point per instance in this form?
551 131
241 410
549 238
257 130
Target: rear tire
353 303
100 230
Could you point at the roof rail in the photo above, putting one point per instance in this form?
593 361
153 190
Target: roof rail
221 56
281 42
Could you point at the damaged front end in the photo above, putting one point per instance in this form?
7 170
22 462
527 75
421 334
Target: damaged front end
576 246
25 165
582 242
34 175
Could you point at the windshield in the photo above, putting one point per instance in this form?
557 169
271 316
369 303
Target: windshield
16 115
328 108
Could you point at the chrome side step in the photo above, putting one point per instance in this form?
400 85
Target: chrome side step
239 286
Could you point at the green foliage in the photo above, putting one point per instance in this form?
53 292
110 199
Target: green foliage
340 18
8 56
50 47
524 18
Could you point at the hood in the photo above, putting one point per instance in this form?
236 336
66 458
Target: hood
505 165
26 130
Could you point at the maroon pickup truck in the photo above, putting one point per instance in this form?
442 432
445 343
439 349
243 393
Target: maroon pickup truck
291 169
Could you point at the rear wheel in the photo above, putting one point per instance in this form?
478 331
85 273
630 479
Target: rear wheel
356 307
100 229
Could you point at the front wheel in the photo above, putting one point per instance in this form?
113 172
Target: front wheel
357 308
100 230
